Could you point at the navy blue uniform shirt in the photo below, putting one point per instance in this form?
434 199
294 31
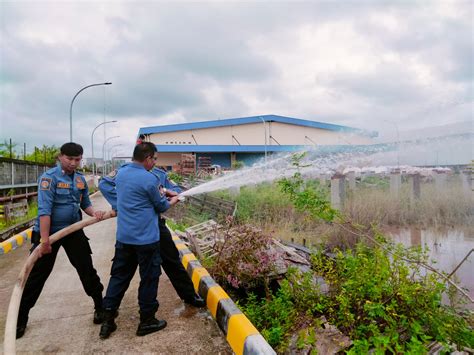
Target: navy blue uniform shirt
61 196
165 181
107 185
138 204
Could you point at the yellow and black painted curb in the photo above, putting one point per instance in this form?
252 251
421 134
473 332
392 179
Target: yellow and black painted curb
16 241
240 333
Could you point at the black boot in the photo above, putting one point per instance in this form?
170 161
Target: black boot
196 301
98 316
98 310
108 326
149 324
21 326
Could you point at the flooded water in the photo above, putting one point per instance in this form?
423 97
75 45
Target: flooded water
448 248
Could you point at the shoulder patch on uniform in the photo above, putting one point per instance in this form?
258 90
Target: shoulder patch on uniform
80 183
45 183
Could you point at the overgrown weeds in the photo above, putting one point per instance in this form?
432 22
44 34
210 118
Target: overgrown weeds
380 301
379 294
266 205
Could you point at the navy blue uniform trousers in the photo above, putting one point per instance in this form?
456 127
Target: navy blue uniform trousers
124 264
77 248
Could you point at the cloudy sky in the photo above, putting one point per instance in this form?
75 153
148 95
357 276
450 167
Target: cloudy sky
375 65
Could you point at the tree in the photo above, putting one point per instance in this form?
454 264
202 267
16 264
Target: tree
7 150
45 155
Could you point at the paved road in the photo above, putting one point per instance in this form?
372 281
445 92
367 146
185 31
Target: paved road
61 321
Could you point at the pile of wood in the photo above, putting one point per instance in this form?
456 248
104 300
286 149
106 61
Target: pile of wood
204 163
187 166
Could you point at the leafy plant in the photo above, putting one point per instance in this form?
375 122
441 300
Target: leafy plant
237 164
306 198
175 177
176 226
274 317
384 303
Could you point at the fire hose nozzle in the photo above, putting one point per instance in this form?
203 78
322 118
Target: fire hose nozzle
181 198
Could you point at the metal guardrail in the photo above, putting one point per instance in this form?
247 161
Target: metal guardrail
17 197
18 186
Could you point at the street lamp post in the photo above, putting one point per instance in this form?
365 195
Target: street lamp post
92 145
117 153
113 150
265 133
110 151
103 152
72 102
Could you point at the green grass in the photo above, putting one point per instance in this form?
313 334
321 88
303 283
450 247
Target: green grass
267 206
32 213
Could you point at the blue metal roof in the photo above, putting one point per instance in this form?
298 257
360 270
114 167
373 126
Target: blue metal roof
252 119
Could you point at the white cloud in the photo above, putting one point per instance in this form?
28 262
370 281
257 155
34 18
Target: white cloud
354 63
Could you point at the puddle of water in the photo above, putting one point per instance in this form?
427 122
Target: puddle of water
179 310
187 311
448 248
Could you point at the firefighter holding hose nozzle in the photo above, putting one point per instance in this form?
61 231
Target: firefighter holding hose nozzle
138 202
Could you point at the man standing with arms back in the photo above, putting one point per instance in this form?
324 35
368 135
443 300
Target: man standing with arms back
138 241
62 193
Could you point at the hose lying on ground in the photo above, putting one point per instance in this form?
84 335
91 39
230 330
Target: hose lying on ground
14 306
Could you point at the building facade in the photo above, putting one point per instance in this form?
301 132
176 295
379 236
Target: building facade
247 139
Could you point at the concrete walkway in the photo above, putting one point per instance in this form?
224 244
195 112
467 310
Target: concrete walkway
61 321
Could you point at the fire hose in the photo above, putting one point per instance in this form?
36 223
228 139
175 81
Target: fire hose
9 346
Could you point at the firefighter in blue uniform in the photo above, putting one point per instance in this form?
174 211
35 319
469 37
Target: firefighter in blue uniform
62 193
170 260
138 203
169 253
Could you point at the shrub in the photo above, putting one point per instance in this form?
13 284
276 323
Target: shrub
274 317
381 302
175 177
385 303
244 258
237 165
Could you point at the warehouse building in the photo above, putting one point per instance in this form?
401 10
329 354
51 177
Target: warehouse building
246 139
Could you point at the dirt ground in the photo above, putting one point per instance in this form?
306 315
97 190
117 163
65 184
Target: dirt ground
61 321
